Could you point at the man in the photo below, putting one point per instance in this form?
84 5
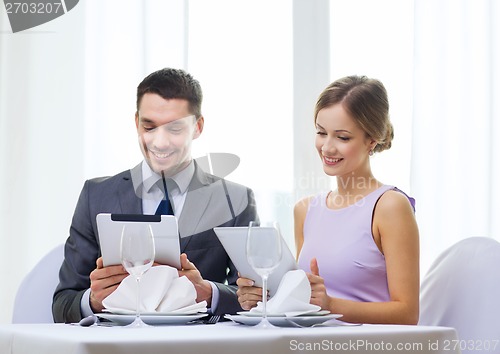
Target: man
168 119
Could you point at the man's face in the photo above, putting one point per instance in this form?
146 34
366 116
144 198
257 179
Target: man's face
166 129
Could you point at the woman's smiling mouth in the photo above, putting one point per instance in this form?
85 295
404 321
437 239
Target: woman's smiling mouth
331 160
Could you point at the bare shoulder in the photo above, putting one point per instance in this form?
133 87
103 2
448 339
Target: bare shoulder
394 224
392 202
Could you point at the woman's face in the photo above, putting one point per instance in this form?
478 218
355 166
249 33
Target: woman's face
341 143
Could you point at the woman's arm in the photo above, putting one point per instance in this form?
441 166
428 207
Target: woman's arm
395 232
299 216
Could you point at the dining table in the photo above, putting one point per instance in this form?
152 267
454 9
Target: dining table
225 337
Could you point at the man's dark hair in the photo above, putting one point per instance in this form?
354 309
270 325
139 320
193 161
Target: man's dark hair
173 83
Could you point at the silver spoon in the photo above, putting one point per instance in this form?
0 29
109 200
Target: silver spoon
88 321
328 323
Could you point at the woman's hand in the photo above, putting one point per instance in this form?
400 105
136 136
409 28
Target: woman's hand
318 290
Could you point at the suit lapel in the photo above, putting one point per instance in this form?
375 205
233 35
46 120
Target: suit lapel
130 192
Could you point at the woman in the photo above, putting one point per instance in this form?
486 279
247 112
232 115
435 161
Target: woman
360 241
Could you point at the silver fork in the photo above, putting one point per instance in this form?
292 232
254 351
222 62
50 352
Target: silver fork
210 320
213 319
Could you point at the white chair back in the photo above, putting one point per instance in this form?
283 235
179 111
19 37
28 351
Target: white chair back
33 302
462 290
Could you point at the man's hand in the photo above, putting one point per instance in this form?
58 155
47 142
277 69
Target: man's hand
248 295
103 281
203 287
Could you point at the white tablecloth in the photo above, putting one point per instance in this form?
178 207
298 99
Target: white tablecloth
223 338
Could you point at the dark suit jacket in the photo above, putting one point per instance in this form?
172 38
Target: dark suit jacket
210 202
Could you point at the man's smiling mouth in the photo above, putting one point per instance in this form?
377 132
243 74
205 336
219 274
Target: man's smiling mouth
161 155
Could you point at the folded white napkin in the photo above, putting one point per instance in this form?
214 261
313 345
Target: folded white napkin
161 290
292 297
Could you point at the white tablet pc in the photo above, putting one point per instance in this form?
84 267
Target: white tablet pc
165 233
234 240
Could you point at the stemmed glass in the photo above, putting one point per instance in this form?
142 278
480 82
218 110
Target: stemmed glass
137 255
264 255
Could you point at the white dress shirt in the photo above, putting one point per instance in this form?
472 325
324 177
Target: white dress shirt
152 194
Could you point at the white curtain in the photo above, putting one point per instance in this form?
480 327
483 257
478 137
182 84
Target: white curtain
455 151
68 91
41 142
67 104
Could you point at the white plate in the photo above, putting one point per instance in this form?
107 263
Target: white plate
305 321
152 320
185 311
257 314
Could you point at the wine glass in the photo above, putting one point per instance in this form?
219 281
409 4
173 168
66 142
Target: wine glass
264 255
137 255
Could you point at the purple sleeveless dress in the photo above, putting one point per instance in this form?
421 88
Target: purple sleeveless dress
341 240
